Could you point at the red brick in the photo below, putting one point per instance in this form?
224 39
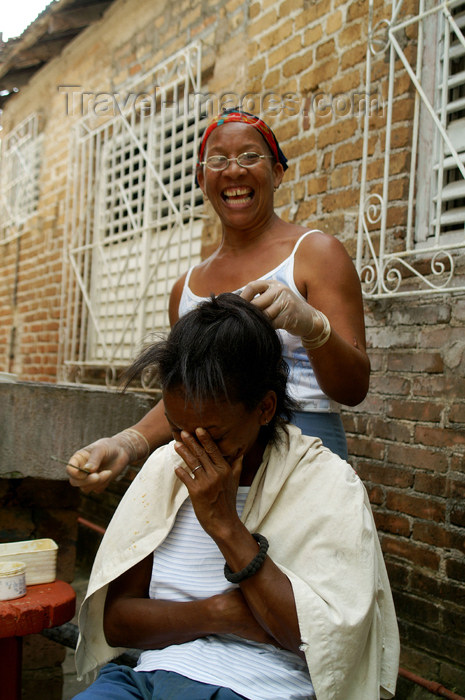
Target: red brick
438 386
415 553
452 648
439 437
435 534
456 487
342 130
357 9
417 456
416 362
451 592
340 200
455 568
395 385
397 573
415 608
424 583
431 483
392 523
389 430
457 514
363 447
424 508
414 410
457 413
392 476
375 494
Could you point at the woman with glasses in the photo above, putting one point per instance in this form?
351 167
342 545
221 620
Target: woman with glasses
243 560
302 278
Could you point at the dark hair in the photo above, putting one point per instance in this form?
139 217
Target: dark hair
225 348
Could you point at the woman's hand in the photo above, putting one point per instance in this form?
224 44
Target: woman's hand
285 309
234 617
132 619
106 459
213 487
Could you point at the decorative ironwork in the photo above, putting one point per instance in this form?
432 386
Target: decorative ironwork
417 253
19 181
132 218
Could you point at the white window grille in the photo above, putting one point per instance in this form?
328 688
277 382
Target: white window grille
418 253
19 180
133 220
448 215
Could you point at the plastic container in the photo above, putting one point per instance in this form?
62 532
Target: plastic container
40 557
12 580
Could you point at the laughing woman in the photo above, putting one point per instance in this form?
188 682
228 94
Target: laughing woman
302 278
243 560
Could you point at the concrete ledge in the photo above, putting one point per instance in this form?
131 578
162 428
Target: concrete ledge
39 419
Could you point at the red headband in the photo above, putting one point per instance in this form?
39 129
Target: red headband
236 115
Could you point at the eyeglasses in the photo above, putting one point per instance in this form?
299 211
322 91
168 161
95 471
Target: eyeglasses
245 160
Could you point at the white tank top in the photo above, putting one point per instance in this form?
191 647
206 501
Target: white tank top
302 383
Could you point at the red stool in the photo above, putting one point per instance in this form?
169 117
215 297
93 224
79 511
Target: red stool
44 605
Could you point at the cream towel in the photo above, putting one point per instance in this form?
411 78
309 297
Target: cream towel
315 512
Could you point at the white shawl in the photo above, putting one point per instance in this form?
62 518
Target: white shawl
315 512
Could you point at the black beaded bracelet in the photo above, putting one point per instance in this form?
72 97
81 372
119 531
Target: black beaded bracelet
254 566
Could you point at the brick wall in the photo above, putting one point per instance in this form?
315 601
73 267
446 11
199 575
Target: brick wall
407 442
308 58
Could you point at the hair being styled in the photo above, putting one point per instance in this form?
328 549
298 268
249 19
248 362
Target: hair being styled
225 348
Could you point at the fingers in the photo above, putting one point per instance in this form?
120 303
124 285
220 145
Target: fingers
253 288
96 454
89 458
209 445
200 450
190 451
93 481
261 293
104 460
270 296
80 460
236 467
97 482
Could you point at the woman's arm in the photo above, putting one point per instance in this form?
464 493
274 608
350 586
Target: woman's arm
213 492
106 458
132 619
325 276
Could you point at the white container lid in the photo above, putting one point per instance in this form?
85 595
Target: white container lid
12 568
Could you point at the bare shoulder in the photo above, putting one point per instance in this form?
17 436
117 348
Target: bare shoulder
322 251
322 245
322 262
175 298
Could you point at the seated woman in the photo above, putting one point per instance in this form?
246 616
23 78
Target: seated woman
244 559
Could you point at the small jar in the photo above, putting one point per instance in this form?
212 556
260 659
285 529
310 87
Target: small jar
12 580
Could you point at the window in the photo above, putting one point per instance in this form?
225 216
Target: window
448 215
20 176
412 219
134 221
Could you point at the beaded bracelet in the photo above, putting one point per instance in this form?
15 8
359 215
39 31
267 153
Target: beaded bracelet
313 343
254 566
